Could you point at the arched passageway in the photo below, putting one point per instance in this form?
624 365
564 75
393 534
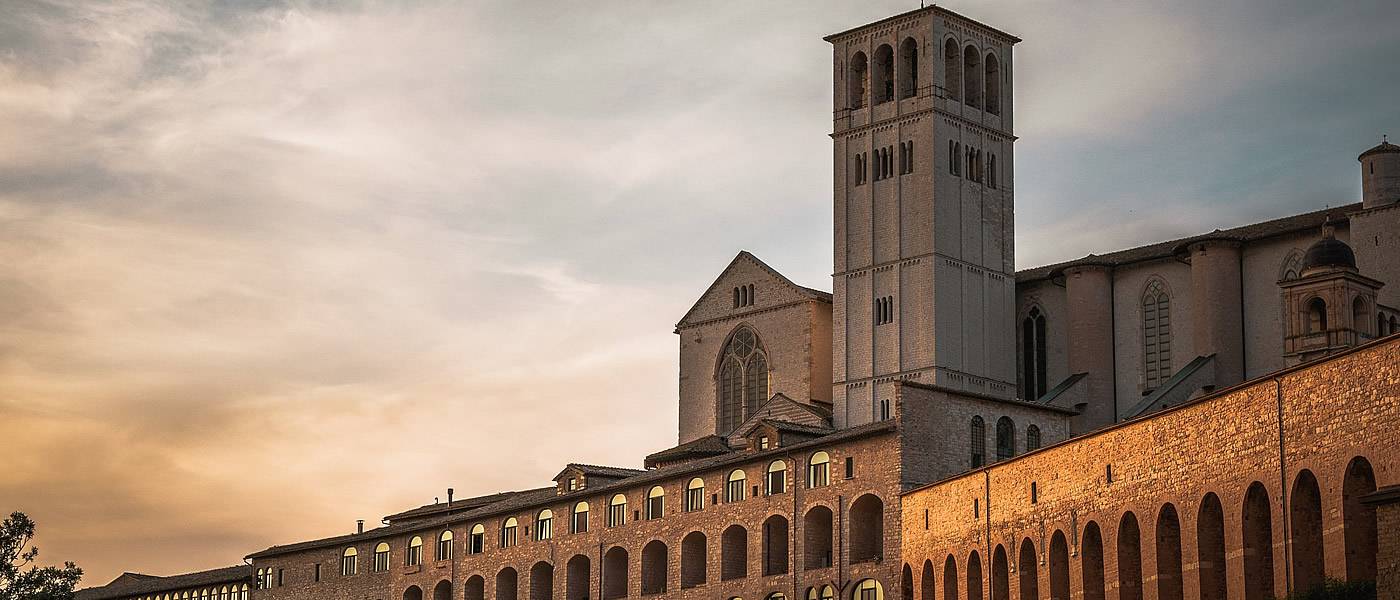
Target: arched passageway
413 593
654 560
816 538
577 577
1029 580
443 590
950 578
867 529
474 588
615 573
1168 544
926 581
1305 520
1091 565
1059 567
507 584
1258 537
694 556
1359 520
1129 558
542 581
1210 548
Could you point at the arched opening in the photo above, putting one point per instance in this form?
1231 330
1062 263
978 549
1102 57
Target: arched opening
775 545
908 68
1305 519
577 576
952 70
1000 575
1059 567
1210 548
906 583
1029 577
413 593
817 536
855 80
1258 534
615 573
972 69
1360 316
865 589
654 567
1317 315
694 555
1168 542
742 378
926 581
883 75
1006 438
993 84
978 441
443 590
867 528
1359 521
974 576
1156 334
507 584
1091 565
1033 355
734 553
542 581
950 578
474 588
1129 558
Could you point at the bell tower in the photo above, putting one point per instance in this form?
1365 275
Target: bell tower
923 268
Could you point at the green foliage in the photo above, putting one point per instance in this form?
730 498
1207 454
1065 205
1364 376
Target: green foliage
32 583
1336 589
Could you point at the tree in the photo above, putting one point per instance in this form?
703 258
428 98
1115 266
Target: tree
34 583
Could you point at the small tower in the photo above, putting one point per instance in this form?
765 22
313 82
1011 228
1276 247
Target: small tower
1328 307
1380 175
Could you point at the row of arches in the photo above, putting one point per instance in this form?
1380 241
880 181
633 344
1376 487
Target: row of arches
970 76
1005 439
223 592
866 535
1254 543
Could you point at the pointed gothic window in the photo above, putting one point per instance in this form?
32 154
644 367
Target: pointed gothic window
978 442
1033 354
1156 335
743 379
1006 438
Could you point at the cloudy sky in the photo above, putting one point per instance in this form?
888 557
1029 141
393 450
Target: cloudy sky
269 268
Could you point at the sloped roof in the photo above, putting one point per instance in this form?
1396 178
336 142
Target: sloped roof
807 292
547 496
710 445
1384 147
782 425
1169 248
134 584
600 471
454 506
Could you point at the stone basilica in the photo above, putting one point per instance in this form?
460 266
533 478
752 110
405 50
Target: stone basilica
1205 417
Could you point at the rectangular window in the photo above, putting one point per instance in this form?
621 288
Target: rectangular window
617 515
777 482
763 442
580 524
656 507
884 409
734 491
573 484
347 565
694 499
817 475
279 577
976 509
508 538
316 576
850 467
476 544
444 549
544 529
1034 497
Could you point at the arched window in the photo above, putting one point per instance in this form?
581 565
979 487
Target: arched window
694 556
1305 519
260 579
1129 558
855 81
508 532
654 559
1059 566
580 522
1156 334
1006 438
776 482
476 542
883 76
868 589
444 545
617 510
972 69
736 486
775 545
817 543
908 68
993 84
1292 266
695 495
348 565
1091 563
1026 566
414 556
818 470
1317 315
952 70
578 575
1257 525
743 378
866 529
1359 314
734 553
1032 438
992 171
544 525
381 557
507 584
656 503
1170 585
1033 354
978 442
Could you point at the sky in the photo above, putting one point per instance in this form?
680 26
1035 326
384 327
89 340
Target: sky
267 268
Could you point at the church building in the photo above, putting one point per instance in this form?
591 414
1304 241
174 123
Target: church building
935 424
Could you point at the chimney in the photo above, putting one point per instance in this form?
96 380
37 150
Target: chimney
449 497
359 526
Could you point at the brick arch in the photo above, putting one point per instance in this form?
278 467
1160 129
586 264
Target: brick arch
1168 546
926 581
474 588
443 590
950 578
542 581
1129 551
1305 521
1029 575
578 574
1210 548
1359 520
817 535
1059 566
413 592
734 552
507 584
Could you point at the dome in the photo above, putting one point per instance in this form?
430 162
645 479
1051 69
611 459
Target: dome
1329 252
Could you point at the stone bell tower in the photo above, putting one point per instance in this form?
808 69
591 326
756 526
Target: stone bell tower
923 273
